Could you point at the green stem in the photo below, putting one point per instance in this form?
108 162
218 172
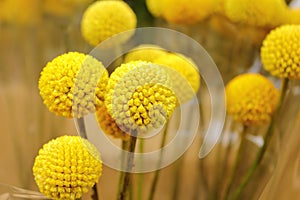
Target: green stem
125 146
156 175
268 137
141 175
236 163
127 176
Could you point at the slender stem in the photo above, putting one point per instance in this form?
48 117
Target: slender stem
82 132
237 161
141 175
268 137
125 146
124 192
177 178
156 175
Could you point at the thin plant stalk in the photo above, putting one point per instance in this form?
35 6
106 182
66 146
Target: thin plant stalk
125 146
141 175
268 137
157 172
127 175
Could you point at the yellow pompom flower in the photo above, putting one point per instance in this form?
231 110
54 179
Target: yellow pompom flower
138 96
251 99
67 167
155 7
265 13
183 66
145 52
109 125
186 11
280 52
104 19
73 84
293 16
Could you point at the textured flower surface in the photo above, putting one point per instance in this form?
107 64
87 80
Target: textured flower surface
109 125
104 19
67 167
183 66
145 52
186 11
251 99
138 96
266 13
280 52
73 84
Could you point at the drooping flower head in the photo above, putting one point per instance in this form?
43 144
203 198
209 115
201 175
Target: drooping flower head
185 67
103 19
186 11
67 167
109 125
138 96
265 13
73 84
251 99
280 52
144 52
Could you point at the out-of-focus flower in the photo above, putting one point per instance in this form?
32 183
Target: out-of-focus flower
104 19
24 12
108 124
251 99
63 8
155 7
67 167
144 53
138 96
280 53
183 66
186 11
293 16
265 13
73 84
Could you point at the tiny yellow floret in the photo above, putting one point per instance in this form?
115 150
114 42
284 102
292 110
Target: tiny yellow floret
67 167
251 99
280 52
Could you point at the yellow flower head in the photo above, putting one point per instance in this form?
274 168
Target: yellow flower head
266 13
145 53
185 67
155 7
73 84
67 167
293 16
138 96
280 53
104 19
187 11
251 99
109 125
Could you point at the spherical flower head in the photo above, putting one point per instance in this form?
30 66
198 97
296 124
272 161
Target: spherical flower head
251 99
109 125
144 52
187 69
155 7
265 13
138 96
293 16
280 52
67 167
73 84
103 19
186 11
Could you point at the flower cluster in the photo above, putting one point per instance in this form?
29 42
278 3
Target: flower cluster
251 99
67 167
67 94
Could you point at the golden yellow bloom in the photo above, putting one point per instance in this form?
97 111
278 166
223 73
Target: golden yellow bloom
73 84
144 53
138 96
186 11
108 124
155 7
183 66
293 16
104 19
280 53
266 13
251 99
24 12
67 167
